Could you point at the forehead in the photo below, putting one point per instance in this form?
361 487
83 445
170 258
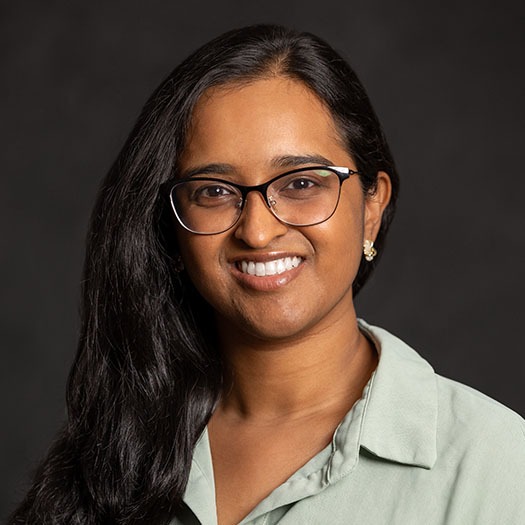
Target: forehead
257 121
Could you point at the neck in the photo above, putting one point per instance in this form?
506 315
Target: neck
323 369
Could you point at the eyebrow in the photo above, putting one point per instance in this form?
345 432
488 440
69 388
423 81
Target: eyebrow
283 161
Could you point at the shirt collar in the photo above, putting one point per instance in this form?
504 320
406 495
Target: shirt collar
400 423
200 490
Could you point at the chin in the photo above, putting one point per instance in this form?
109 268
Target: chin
278 326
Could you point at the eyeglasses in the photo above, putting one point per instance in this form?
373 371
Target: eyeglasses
300 197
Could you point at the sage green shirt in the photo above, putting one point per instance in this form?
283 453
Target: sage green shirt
417 448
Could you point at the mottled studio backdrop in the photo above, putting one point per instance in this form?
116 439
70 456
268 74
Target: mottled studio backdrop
447 80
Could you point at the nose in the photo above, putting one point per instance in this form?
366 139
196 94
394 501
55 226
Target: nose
258 226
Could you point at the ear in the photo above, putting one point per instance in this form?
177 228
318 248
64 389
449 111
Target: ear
375 204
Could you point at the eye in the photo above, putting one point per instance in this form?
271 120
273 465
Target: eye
300 183
299 186
213 191
213 194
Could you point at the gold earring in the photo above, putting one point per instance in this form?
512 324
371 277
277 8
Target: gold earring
368 250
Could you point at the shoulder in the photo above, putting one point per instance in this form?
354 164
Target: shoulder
464 416
474 426
481 452
471 446
471 420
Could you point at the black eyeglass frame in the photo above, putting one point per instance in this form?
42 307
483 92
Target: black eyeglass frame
342 173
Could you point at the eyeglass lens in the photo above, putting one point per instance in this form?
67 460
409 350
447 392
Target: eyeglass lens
301 199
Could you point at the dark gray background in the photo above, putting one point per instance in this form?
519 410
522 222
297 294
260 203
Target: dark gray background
447 81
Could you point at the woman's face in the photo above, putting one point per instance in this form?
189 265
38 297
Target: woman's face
256 130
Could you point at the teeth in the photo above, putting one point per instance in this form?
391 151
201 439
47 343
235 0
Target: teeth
270 268
261 269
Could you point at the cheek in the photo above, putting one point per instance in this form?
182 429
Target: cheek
342 235
201 255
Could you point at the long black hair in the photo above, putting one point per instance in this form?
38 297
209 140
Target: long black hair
147 375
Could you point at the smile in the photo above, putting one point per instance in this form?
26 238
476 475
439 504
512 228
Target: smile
262 269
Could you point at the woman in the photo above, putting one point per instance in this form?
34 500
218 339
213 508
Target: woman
222 375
